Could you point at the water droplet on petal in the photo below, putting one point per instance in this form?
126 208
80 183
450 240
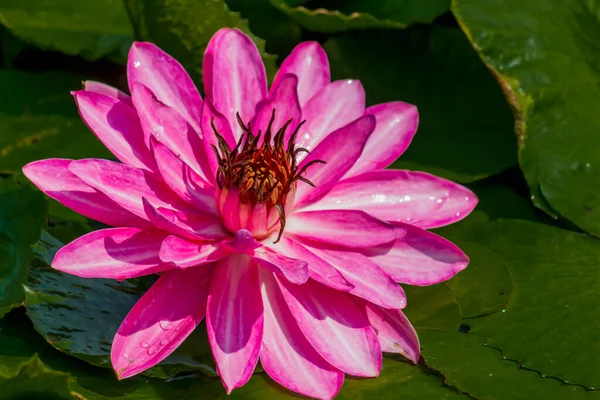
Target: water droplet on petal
152 350
125 355
166 325
144 345
136 64
164 342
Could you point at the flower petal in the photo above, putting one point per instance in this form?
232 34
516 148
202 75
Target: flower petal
286 355
338 104
295 271
318 269
369 280
420 258
395 332
283 101
345 228
397 123
336 328
102 88
125 185
117 126
169 128
114 253
182 180
211 117
234 320
234 76
339 151
417 198
308 61
161 320
185 253
53 177
191 225
166 78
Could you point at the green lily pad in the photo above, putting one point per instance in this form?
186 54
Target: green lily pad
80 316
552 320
432 308
485 286
482 373
39 119
22 217
466 128
545 57
35 380
183 28
91 29
341 15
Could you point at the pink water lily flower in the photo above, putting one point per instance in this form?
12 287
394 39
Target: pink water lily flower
267 212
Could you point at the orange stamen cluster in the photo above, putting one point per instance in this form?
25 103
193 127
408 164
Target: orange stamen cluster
265 173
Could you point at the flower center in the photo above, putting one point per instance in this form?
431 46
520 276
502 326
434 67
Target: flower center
260 176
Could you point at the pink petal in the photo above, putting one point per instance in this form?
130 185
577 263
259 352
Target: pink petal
185 253
102 88
420 258
53 177
211 117
417 198
242 243
336 328
339 151
117 126
169 128
194 226
234 320
345 228
161 320
335 106
115 253
318 269
125 185
294 270
182 180
397 123
166 78
283 100
395 332
286 355
234 76
308 61
369 280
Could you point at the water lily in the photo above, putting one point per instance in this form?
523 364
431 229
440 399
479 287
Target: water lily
267 212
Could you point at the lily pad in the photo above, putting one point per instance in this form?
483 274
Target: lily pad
35 380
91 29
545 58
39 119
80 316
341 15
432 308
19 230
183 28
482 373
466 128
556 277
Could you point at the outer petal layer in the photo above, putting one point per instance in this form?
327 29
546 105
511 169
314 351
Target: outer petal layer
308 61
166 78
161 320
52 176
336 328
102 88
395 332
396 125
115 253
234 320
234 76
286 355
417 198
420 258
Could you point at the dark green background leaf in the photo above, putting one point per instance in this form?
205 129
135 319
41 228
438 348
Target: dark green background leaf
465 130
